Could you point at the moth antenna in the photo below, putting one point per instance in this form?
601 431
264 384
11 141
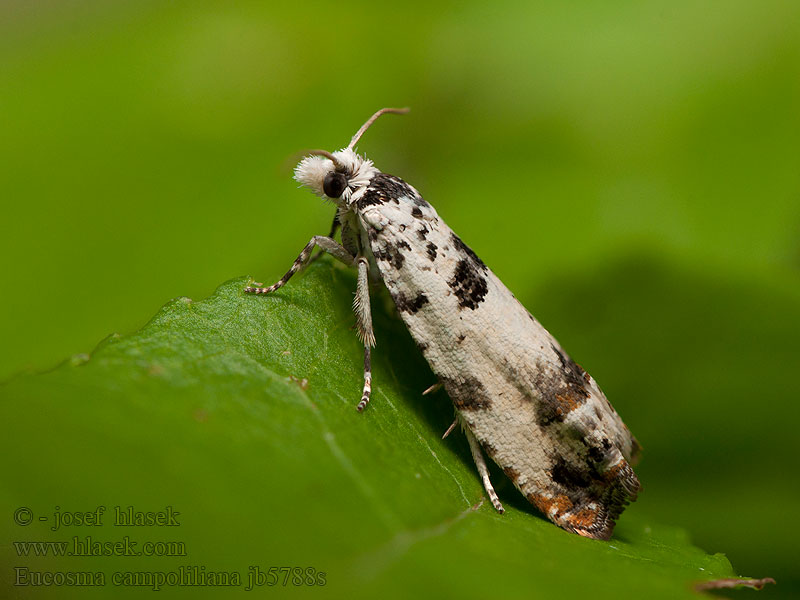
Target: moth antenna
372 119
339 166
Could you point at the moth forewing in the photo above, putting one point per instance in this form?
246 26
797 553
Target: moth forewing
532 409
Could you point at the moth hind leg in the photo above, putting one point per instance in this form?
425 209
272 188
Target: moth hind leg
327 244
483 470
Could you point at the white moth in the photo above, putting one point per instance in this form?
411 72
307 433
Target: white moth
518 395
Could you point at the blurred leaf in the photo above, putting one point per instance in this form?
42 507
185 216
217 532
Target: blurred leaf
239 412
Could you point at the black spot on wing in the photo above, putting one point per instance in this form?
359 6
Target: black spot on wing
575 378
595 500
422 233
410 305
431 250
595 454
569 476
461 246
561 390
611 489
384 188
599 454
573 372
468 284
416 212
467 393
370 198
557 401
403 244
417 199
389 254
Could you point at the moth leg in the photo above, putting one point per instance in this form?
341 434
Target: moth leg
450 429
361 305
434 388
366 334
483 470
334 227
327 244
367 380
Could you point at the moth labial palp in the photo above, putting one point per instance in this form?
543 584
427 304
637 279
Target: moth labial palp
519 397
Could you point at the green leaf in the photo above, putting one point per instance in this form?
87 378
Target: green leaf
239 413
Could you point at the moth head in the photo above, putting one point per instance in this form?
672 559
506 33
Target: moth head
333 175
338 175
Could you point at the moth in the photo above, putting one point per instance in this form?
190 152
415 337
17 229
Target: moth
518 396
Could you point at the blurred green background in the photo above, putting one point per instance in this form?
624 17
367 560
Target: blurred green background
629 169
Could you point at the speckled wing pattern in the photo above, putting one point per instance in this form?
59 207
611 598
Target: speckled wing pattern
535 412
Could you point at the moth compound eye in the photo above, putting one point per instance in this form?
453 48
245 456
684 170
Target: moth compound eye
334 184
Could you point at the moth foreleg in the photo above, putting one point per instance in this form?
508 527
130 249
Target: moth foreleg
483 470
361 306
327 244
334 228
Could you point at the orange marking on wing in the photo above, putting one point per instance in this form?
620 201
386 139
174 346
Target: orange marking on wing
583 519
561 503
568 402
612 473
